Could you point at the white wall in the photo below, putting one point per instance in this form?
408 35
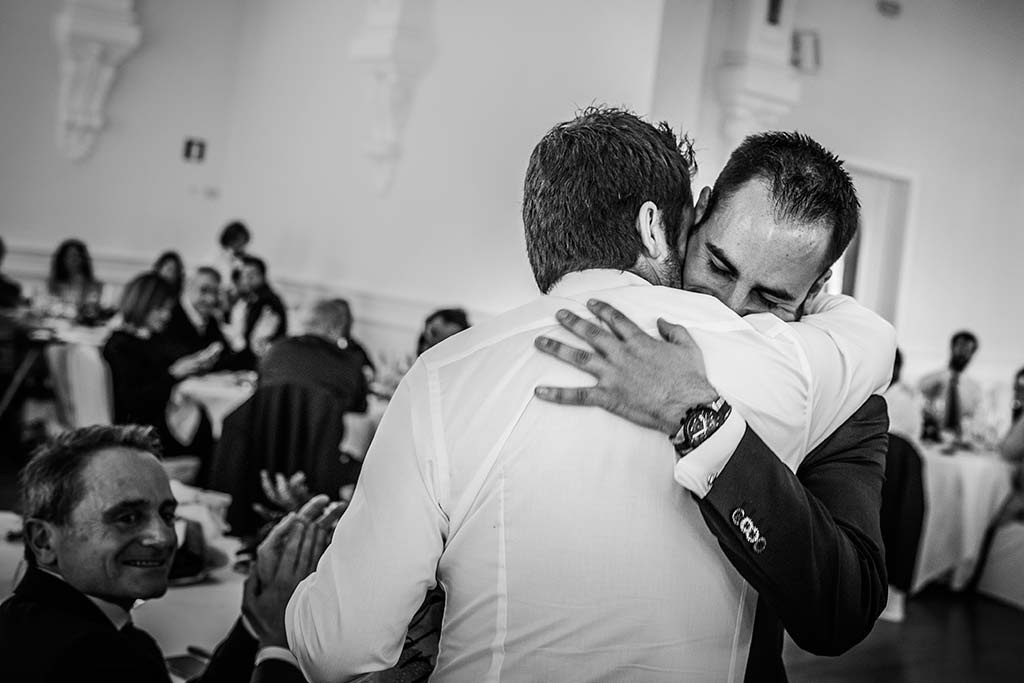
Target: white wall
935 94
134 195
449 231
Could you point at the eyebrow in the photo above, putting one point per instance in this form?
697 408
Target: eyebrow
734 271
134 504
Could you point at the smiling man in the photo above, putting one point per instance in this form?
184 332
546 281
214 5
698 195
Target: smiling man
99 535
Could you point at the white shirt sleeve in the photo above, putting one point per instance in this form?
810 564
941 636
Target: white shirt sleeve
847 353
850 352
350 617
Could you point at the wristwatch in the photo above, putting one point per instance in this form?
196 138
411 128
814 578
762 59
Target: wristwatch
699 423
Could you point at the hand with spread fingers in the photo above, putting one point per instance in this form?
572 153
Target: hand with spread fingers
649 381
291 494
287 555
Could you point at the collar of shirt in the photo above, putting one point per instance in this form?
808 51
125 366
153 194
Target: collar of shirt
118 616
194 316
595 280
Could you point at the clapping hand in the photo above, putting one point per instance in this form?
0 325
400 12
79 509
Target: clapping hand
291 494
287 555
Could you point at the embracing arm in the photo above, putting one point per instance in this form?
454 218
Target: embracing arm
821 565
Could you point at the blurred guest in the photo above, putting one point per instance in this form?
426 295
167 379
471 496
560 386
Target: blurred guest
324 355
195 321
71 277
440 325
99 535
170 267
259 316
10 291
142 373
904 405
950 397
234 240
1012 447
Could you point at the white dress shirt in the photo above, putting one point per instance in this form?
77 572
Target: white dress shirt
565 548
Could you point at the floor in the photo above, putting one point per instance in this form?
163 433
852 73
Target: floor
947 637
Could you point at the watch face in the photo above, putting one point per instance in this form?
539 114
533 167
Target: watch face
698 424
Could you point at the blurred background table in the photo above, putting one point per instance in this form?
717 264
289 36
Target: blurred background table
963 493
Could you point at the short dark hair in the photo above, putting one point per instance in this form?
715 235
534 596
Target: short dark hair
209 270
585 183
452 316
232 232
807 183
143 294
51 482
255 262
965 335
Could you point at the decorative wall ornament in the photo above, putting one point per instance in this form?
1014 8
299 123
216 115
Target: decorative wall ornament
757 84
93 38
395 45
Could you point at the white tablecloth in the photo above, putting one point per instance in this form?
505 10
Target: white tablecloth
962 495
219 394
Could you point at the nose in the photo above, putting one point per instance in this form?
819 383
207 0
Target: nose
160 534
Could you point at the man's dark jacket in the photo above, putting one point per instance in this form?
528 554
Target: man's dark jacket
51 633
821 572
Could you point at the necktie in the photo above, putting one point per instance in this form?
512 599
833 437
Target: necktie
952 421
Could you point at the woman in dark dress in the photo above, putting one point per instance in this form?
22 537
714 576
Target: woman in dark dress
142 373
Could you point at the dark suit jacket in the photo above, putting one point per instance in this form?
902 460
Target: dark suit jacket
821 573
181 338
51 633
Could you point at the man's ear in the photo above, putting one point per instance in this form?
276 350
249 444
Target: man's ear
819 284
701 207
651 229
41 538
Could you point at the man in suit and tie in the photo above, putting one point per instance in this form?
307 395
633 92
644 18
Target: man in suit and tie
99 535
807 538
951 398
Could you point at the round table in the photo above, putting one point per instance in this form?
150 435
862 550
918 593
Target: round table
963 493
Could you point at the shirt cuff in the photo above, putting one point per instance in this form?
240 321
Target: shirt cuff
274 652
696 471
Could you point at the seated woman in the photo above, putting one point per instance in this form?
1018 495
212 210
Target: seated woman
171 268
71 278
142 374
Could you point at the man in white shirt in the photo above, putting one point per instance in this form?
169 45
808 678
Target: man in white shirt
561 558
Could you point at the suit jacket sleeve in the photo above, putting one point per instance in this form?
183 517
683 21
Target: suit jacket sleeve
821 568
234 662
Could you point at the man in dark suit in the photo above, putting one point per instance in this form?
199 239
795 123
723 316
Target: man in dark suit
194 323
782 211
99 535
